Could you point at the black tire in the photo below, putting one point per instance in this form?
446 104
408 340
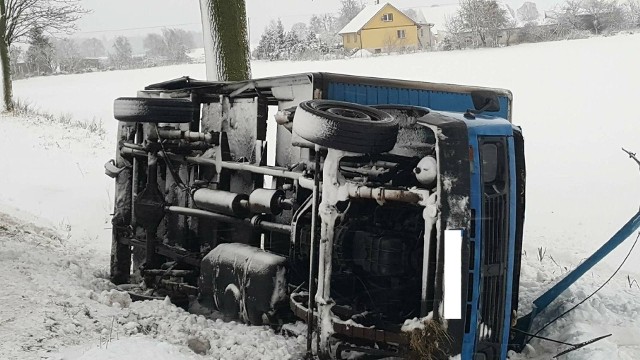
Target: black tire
153 110
346 126
408 110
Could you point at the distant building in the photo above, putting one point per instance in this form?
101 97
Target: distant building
93 63
20 69
436 16
196 56
383 28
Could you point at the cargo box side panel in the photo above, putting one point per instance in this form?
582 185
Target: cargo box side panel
369 94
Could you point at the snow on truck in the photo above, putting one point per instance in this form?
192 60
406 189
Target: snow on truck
385 214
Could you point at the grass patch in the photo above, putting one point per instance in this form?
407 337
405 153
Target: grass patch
28 109
430 342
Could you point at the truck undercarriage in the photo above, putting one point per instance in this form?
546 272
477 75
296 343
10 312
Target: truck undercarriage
344 216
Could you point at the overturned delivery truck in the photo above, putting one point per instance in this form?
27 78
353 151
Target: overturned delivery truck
385 214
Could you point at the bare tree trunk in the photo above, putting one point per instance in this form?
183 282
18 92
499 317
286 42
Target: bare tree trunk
5 63
224 25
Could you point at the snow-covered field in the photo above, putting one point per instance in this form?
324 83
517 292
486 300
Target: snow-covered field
574 99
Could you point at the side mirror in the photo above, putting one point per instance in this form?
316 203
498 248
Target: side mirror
485 101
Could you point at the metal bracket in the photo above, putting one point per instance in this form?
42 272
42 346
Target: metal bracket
112 170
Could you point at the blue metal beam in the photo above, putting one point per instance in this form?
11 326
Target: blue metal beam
629 228
544 300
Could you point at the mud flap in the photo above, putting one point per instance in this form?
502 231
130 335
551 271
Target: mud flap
120 264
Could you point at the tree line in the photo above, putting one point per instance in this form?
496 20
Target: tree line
19 18
42 25
307 41
48 55
171 46
486 23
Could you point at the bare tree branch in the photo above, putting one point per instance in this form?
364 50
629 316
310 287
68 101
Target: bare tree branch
482 19
52 16
632 155
19 17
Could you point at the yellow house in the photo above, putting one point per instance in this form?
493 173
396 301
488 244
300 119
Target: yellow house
381 28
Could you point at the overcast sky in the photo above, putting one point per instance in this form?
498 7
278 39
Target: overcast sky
136 17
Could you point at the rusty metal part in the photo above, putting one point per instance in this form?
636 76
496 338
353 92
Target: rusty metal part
179 146
353 331
243 88
120 264
304 208
257 222
378 164
355 165
363 171
312 262
150 201
173 252
254 221
263 170
137 168
177 287
221 201
183 147
132 146
382 194
366 192
171 134
149 213
256 169
267 201
137 293
306 183
112 170
176 273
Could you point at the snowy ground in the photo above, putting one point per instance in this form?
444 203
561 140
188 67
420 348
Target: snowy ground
54 241
574 99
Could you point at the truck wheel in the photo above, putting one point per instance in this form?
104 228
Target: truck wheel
153 110
345 126
408 112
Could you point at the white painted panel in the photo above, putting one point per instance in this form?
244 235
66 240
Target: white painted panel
452 274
